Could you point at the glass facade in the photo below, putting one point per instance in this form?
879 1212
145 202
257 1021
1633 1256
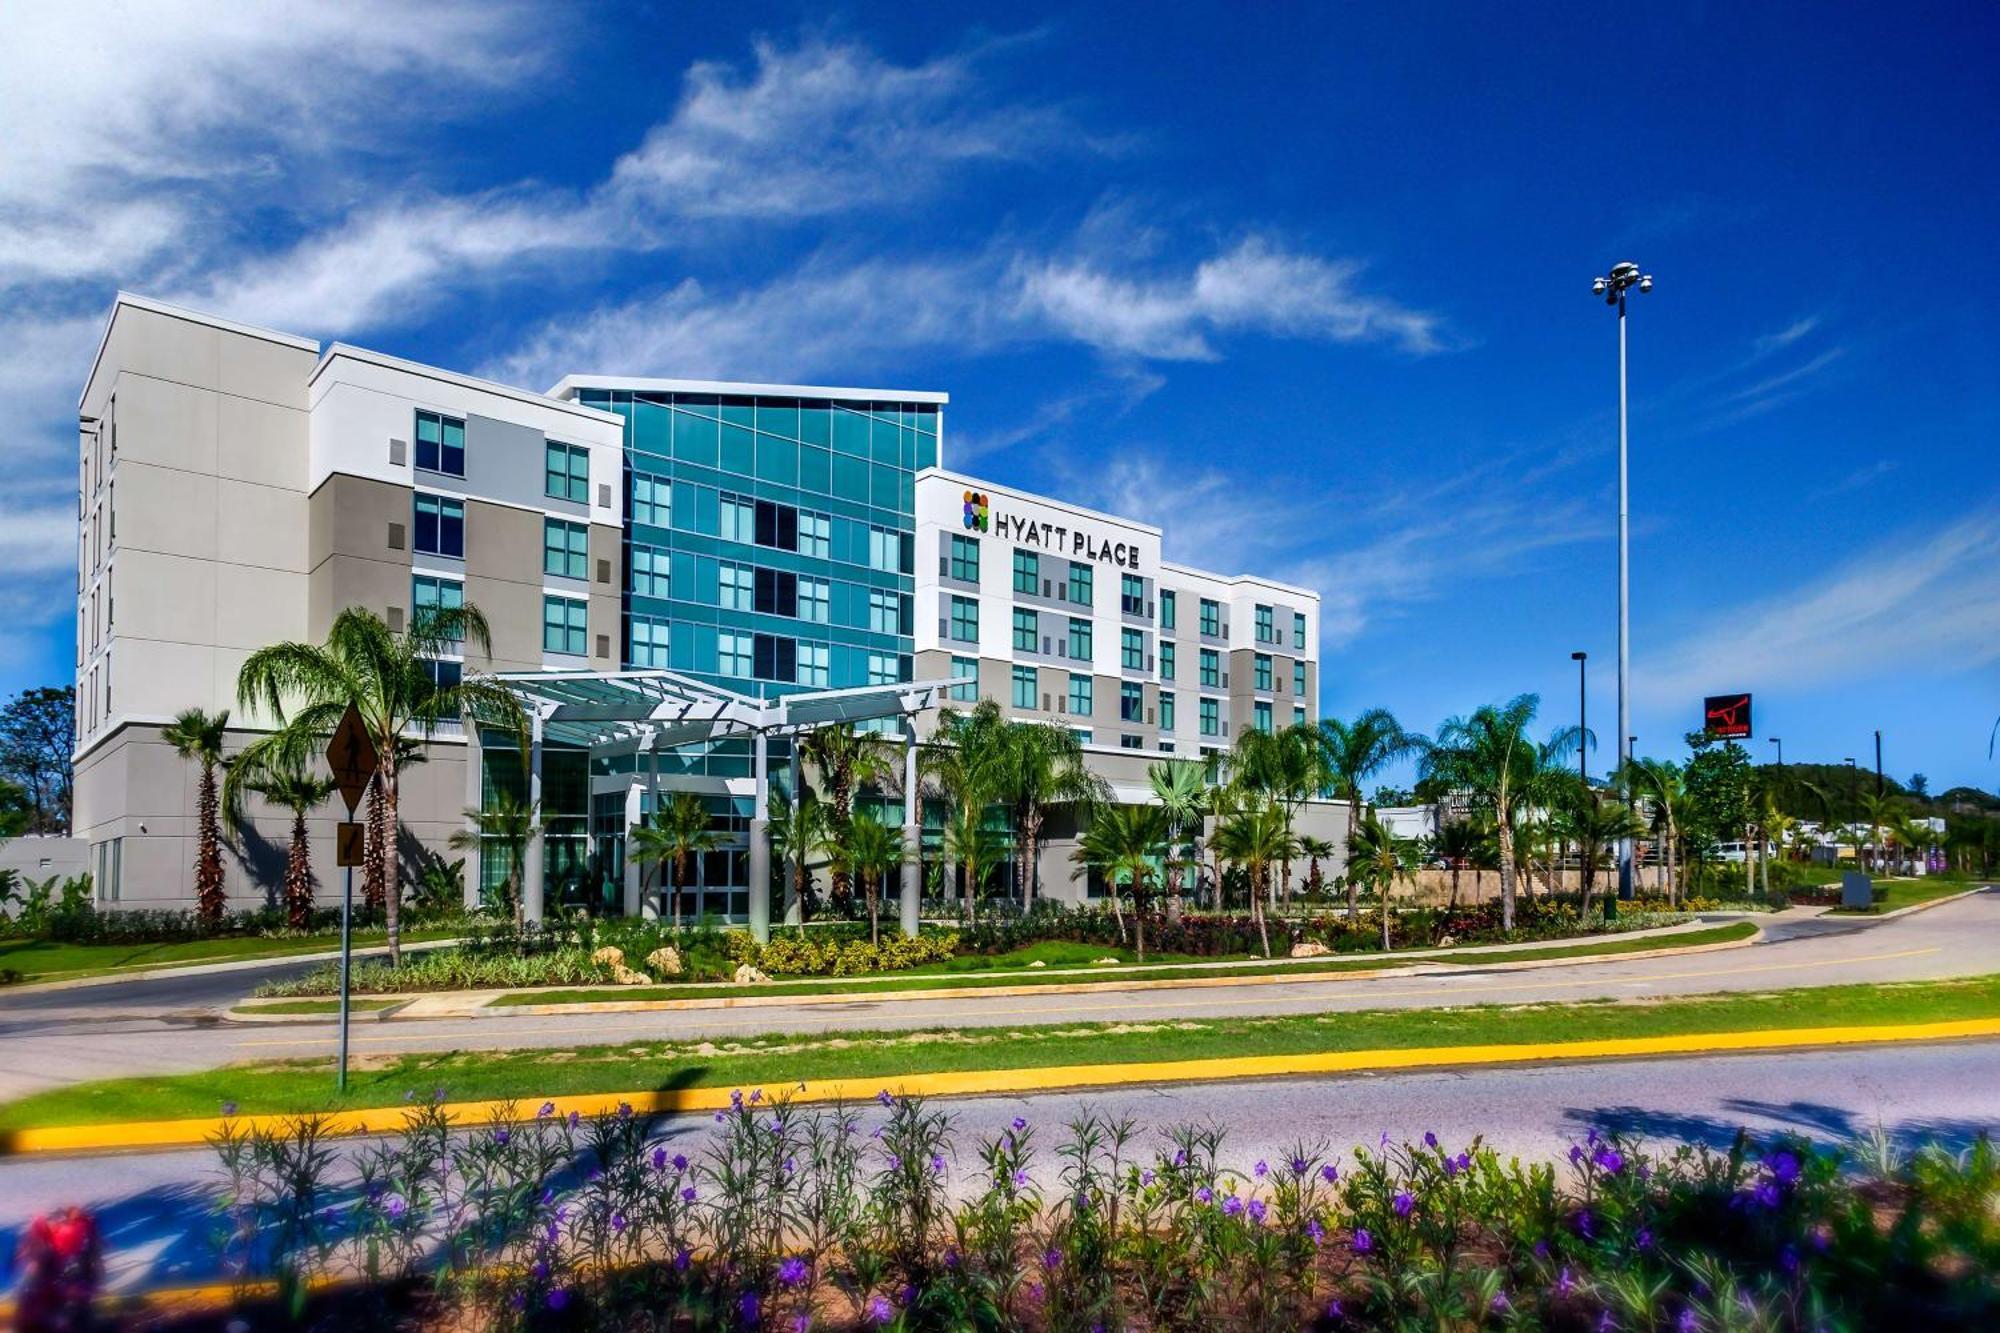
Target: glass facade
777 535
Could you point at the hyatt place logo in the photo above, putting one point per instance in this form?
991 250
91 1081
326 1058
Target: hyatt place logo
975 511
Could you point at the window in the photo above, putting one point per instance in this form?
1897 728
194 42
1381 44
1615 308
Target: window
1166 660
440 526
1298 629
1261 671
777 592
1211 717
1026 632
774 658
434 594
652 500
1079 638
965 619
1079 694
1024 687
1166 609
1132 650
777 526
1211 619
1080 580
1265 632
1260 716
815 601
882 611
965 558
651 571
440 444
884 549
1131 702
1166 711
1027 571
737 584
733 654
649 642
813 665
815 535
739 518
1298 717
565 549
1132 594
1211 669
965 679
566 472
1299 679
443 673
1131 742
884 669
565 625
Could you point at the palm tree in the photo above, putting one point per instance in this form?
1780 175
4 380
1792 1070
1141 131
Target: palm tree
871 851
797 832
1459 843
507 827
1255 834
1879 812
976 849
959 766
295 790
1376 854
1352 753
386 677
1908 836
846 760
1040 766
1489 757
1288 766
1314 850
1180 788
197 737
1125 838
1659 784
678 831
1597 825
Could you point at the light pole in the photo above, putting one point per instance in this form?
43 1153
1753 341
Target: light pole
1582 717
1612 287
1779 741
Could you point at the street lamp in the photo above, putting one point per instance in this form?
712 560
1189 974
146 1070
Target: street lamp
1582 718
1779 741
1612 287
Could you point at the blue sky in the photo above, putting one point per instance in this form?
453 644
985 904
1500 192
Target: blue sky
1147 249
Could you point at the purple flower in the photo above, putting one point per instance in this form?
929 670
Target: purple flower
1688 1322
1146 1176
624 1110
1315 1230
1644 1239
680 1162
1363 1242
228 1109
558 1298
687 1195
1180 1159
749 1308
937 1163
1788 1259
501 1136
1052 1259
1300 1166
879 1310
575 1118
682 1258
801 1322
540 1270
1541 1249
793 1271
1501 1305
1430 1139
1609 1159
1575 1154
756 1095
1205 1195
736 1099
1261 1170
1257 1211
1405 1203
1020 1179
790 1165
1019 1124
618 1223
1329 1173
1586 1225
548 1109
659 1159
1333 1309
1605 1323
1231 1206
1463 1161
884 1098
1564 1282
397 1207
1784 1167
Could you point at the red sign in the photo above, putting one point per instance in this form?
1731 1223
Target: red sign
1727 716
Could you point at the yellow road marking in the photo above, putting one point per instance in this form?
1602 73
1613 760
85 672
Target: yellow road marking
164 1133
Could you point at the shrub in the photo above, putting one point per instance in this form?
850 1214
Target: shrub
832 956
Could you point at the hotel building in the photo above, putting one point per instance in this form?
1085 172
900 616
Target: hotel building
239 487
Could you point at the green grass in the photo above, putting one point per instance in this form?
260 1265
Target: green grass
1894 894
777 1060
47 960
919 980
358 1004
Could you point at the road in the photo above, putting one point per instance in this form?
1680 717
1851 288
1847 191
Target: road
58 1038
152 1204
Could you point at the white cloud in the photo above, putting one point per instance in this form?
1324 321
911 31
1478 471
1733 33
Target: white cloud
1927 602
1783 338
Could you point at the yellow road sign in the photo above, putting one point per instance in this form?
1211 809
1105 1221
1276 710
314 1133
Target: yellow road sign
351 843
352 757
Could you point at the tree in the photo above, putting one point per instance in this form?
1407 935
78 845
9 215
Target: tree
1718 784
1659 783
1383 859
1256 834
1598 825
297 790
197 737
1288 766
1181 790
797 831
387 678
1314 850
679 830
37 737
507 827
846 760
17 811
1125 839
871 851
1879 812
1460 844
960 765
1037 768
1919 786
976 849
1352 753
1489 758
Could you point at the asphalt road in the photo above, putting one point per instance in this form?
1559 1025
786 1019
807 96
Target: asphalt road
65 1037
151 1205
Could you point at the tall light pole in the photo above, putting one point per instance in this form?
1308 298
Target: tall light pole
1582 717
1779 741
1612 287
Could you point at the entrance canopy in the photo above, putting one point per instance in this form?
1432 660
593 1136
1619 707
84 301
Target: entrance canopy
600 709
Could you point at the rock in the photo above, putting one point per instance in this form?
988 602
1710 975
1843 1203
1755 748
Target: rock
666 961
625 976
747 975
1038 963
1105 962
1310 949
1446 942
608 956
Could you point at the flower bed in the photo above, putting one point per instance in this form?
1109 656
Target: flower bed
792 1218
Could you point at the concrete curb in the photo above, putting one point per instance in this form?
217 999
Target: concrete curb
212 969
250 1015
1913 908
982 1082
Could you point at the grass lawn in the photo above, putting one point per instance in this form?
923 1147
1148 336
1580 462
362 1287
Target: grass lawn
47 960
355 1003
1893 894
927 979
779 1060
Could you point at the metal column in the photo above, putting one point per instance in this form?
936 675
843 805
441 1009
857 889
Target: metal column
913 833
795 910
760 841
531 871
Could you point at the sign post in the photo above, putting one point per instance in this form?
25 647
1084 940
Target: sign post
352 757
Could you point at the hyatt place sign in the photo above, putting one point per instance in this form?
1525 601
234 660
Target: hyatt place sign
1074 544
